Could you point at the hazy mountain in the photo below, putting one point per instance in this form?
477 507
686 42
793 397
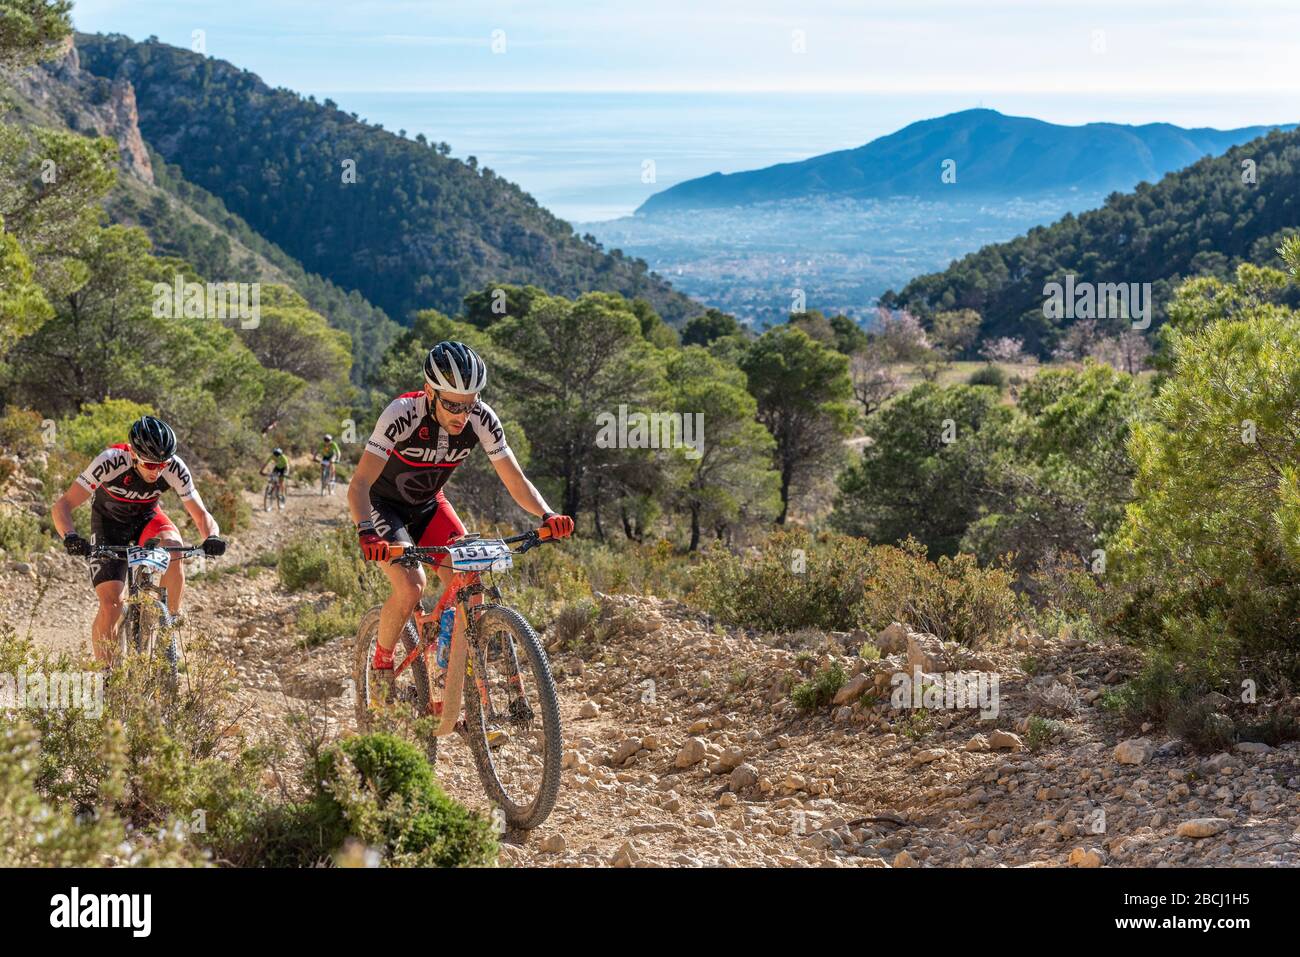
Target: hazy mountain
994 155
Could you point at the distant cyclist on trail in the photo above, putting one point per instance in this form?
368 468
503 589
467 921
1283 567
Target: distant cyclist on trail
396 490
330 453
123 484
281 463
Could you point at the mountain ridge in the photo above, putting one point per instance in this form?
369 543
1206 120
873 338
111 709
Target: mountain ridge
411 229
1206 219
180 218
995 154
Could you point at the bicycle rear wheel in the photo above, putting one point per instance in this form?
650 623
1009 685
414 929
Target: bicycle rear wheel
412 686
512 718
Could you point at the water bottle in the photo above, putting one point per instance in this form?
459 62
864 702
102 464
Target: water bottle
442 657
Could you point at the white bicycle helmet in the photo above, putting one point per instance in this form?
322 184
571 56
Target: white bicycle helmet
455 367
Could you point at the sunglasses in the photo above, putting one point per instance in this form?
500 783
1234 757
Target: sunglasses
152 465
458 408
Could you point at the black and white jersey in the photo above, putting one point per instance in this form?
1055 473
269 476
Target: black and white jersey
420 453
120 493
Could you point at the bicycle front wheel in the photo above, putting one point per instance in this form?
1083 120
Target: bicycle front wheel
128 633
512 718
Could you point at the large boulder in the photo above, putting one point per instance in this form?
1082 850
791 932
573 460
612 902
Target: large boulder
853 689
926 652
892 639
1134 751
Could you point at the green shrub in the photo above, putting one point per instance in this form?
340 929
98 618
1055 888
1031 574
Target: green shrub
20 532
332 563
36 831
916 723
838 583
21 431
820 690
989 375
1169 694
550 577
161 764
378 789
100 424
1042 731
227 505
1210 548
337 619
170 783
574 626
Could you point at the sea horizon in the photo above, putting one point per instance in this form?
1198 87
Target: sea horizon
596 156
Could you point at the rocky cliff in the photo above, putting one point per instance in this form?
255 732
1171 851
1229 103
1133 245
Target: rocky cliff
88 104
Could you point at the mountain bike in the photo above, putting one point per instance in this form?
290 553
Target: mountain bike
274 491
146 616
512 710
326 478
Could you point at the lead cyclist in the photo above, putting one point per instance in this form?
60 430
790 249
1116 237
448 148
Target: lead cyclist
395 494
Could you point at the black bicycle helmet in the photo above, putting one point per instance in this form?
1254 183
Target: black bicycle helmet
152 439
455 367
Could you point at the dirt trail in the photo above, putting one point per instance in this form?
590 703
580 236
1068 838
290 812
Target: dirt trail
682 747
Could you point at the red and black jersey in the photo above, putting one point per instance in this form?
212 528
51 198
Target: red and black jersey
420 453
121 494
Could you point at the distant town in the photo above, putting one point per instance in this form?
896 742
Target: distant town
754 261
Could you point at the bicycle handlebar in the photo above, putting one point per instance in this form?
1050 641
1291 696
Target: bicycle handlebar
526 540
109 551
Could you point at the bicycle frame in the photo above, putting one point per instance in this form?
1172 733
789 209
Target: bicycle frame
143 581
456 660
464 585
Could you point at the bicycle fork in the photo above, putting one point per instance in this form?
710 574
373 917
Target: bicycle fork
518 710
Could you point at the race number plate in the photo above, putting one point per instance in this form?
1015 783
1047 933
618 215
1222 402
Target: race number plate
153 559
481 556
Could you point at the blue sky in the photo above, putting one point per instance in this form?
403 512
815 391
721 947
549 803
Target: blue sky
1241 48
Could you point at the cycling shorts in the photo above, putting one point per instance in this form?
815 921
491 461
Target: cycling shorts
433 524
136 531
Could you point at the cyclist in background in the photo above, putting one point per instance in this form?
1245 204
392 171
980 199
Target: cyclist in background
281 463
123 484
330 454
